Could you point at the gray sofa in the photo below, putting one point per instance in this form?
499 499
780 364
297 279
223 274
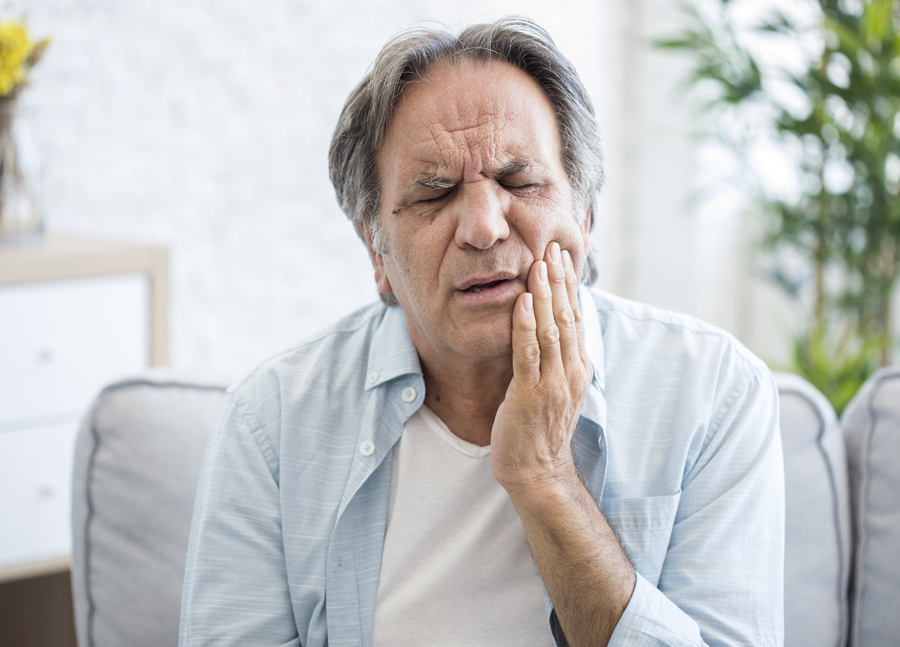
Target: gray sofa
137 462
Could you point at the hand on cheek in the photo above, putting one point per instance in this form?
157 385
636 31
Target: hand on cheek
532 433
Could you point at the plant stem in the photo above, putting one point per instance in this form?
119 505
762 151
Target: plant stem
889 258
819 278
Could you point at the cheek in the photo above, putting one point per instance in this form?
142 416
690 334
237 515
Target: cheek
539 226
410 266
534 227
579 262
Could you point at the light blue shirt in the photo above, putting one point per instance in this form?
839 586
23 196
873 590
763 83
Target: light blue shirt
678 442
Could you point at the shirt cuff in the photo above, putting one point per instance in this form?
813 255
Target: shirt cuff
652 619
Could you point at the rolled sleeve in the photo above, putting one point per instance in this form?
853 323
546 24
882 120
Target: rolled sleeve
651 618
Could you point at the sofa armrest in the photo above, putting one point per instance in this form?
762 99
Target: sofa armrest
871 425
137 464
817 517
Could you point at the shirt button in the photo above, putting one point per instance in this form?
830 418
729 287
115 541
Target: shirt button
409 394
367 448
373 377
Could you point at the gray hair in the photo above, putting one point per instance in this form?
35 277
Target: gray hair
408 58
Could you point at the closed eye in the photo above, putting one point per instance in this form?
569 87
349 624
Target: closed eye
437 198
518 187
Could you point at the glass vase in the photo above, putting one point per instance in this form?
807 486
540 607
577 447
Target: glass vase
21 217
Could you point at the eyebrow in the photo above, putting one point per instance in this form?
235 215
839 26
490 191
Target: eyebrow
514 166
434 181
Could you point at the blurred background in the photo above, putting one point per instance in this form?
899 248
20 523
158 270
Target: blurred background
752 157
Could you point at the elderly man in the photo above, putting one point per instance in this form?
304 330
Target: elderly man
495 455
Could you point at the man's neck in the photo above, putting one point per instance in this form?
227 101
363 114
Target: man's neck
466 396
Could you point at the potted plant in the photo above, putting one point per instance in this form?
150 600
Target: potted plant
837 117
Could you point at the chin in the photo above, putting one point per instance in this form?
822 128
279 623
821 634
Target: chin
487 344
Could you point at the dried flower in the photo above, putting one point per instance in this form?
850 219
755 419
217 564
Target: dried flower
17 55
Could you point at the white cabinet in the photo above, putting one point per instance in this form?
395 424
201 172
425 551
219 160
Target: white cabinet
35 481
74 315
61 340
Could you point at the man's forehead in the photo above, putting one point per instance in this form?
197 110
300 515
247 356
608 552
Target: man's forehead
464 86
489 118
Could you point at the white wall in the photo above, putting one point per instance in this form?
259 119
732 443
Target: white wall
204 125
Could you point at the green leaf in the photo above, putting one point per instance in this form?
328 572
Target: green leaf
851 235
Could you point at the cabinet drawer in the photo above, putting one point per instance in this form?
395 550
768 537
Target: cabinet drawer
35 493
60 341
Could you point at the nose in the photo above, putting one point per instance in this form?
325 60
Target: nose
481 218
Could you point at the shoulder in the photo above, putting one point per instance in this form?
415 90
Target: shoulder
635 333
312 386
675 382
341 348
673 367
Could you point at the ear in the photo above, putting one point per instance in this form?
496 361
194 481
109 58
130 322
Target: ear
586 229
381 278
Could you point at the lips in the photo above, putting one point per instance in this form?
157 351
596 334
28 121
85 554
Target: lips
480 283
482 286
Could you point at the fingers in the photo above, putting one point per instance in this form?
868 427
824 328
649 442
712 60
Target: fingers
563 300
558 324
526 349
545 320
574 303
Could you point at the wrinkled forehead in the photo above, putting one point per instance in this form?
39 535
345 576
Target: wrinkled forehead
473 111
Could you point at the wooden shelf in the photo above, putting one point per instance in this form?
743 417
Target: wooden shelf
35 569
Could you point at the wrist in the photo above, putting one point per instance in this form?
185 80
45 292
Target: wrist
544 487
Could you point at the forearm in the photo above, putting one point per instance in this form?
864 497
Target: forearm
586 572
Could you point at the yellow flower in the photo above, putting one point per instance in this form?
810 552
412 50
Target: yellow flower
15 51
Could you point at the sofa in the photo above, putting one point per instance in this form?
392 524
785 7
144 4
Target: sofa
140 447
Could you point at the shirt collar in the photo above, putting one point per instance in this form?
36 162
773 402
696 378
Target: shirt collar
595 401
593 335
392 352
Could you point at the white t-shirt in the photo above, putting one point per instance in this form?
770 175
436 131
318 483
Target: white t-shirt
456 569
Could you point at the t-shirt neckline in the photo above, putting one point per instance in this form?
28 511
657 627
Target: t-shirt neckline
443 432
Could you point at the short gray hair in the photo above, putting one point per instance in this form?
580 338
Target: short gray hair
408 58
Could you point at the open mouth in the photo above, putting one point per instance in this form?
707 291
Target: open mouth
479 287
490 287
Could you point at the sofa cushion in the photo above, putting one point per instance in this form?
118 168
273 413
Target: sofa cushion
817 518
137 464
872 431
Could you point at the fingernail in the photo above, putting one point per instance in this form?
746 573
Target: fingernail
526 302
542 272
567 259
554 252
